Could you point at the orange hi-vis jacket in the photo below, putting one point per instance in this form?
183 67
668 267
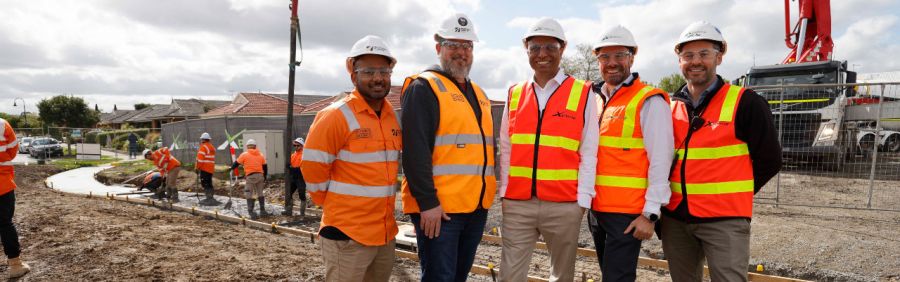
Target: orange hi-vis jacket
463 156
713 171
350 165
9 148
164 160
206 157
252 160
544 155
296 158
622 162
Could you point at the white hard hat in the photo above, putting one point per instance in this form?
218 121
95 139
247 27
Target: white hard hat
205 136
616 36
250 142
300 141
701 30
457 26
146 151
546 27
371 45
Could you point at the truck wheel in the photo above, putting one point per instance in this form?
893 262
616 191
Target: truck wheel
892 144
867 144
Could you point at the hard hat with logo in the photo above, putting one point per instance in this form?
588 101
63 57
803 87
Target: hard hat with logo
371 45
616 36
701 30
458 27
205 136
546 27
300 141
250 142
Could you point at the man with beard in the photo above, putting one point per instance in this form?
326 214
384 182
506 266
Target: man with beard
727 149
350 166
448 158
633 160
548 150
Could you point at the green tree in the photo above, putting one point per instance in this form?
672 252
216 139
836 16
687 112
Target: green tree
582 64
139 106
671 83
67 111
13 120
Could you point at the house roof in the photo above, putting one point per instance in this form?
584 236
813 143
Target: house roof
301 99
393 97
256 104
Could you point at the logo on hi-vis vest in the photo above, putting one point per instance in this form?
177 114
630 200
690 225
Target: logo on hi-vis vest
457 97
363 133
564 115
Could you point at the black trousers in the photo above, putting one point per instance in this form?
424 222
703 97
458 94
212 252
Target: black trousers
298 185
8 233
616 252
206 180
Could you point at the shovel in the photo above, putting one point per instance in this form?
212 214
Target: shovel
230 191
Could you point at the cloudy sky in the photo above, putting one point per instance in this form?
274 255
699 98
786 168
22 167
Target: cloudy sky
122 52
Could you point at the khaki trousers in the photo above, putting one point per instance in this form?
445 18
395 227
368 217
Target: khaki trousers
254 184
725 245
524 221
347 260
171 182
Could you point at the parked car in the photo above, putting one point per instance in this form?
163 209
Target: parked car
45 147
24 143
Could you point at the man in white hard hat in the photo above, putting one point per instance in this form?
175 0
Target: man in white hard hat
726 150
256 174
205 167
350 163
633 160
298 185
548 157
448 156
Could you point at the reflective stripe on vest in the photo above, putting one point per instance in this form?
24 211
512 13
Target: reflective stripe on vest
9 145
715 188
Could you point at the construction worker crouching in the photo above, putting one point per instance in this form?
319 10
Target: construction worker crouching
9 148
350 164
633 159
256 174
726 149
448 156
548 151
298 185
206 166
168 167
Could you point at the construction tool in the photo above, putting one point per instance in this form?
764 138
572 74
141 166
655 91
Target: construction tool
135 193
230 191
197 191
135 177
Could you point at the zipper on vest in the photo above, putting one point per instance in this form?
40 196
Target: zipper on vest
684 194
537 134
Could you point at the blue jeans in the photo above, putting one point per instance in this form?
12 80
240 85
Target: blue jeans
449 257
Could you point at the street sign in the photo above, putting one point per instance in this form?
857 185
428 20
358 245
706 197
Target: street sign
76 133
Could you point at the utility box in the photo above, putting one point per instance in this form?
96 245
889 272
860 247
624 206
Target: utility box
271 144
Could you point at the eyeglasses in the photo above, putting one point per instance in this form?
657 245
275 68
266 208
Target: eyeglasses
372 72
453 45
535 49
704 55
618 57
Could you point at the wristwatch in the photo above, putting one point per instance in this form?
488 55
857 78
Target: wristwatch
651 216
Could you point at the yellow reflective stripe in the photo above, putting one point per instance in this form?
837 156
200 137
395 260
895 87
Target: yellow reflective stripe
799 101
622 181
715 187
715 153
621 142
730 102
631 112
514 98
544 174
575 95
546 140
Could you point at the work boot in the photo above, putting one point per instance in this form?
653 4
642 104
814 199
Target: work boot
250 204
302 207
17 268
262 206
210 199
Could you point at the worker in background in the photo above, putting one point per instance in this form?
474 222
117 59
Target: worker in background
448 158
168 167
298 185
256 174
132 145
350 164
726 150
151 182
548 158
9 148
206 166
633 160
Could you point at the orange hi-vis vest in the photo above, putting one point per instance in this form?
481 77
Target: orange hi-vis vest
9 148
622 163
713 171
296 158
350 164
252 160
544 156
164 160
206 157
463 156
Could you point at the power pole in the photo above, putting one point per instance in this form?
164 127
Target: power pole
289 130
